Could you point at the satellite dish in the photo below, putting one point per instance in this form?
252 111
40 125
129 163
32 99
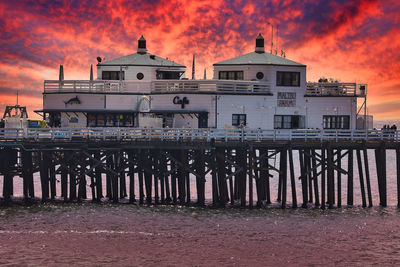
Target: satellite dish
99 59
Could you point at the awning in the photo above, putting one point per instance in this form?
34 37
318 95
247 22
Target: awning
161 70
165 111
86 110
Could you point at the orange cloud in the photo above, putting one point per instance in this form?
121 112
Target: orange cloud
352 40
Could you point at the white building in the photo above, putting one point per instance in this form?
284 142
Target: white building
255 90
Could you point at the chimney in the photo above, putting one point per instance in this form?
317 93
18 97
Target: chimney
142 46
260 44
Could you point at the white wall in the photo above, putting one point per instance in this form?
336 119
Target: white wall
122 102
196 103
68 119
258 109
319 106
88 101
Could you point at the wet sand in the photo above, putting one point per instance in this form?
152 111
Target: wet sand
128 235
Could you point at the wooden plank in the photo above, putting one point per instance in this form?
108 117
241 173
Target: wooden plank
350 196
339 178
292 179
315 177
303 178
283 175
323 182
367 177
330 176
251 167
361 177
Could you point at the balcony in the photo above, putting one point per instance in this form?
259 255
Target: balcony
210 86
158 86
336 89
96 86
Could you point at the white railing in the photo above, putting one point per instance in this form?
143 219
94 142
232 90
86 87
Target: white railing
335 89
159 86
227 86
96 86
170 134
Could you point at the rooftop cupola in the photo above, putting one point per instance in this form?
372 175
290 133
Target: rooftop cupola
260 44
142 46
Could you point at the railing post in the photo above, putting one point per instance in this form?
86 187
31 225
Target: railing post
274 135
226 135
104 134
336 137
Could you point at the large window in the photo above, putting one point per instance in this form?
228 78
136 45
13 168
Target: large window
112 75
168 75
286 78
239 119
288 122
231 75
110 120
336 122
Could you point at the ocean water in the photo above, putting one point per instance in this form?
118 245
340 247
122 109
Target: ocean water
88 234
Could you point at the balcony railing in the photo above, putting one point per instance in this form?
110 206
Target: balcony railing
96 86
221 86
204 135
336 89
159 86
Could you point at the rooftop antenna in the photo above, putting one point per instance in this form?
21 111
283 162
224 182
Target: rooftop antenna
91 72
193 67
276 50
61 75
272 37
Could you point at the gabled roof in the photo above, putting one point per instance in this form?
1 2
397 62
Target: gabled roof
141 59
255 58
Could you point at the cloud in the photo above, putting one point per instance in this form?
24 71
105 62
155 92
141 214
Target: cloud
353 40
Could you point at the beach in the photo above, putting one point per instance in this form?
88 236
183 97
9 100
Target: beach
89 234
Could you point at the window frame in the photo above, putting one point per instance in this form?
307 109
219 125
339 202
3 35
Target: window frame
238 119
282 78
231 75
288 121
336 122
111 75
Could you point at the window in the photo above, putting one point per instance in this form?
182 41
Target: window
238 119
110 120
231 75
112 75
286 78
260 75
168 75
288 122
336 122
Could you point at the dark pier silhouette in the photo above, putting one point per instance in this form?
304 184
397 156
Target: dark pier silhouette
238 172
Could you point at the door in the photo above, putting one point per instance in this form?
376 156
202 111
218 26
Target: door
203 120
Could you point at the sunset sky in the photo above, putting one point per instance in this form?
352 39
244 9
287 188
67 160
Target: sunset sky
353 41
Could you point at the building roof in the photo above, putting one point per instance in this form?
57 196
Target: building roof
255 58
141 59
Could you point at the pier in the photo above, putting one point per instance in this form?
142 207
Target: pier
236 165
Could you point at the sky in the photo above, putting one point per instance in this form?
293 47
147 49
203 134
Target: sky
349 40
